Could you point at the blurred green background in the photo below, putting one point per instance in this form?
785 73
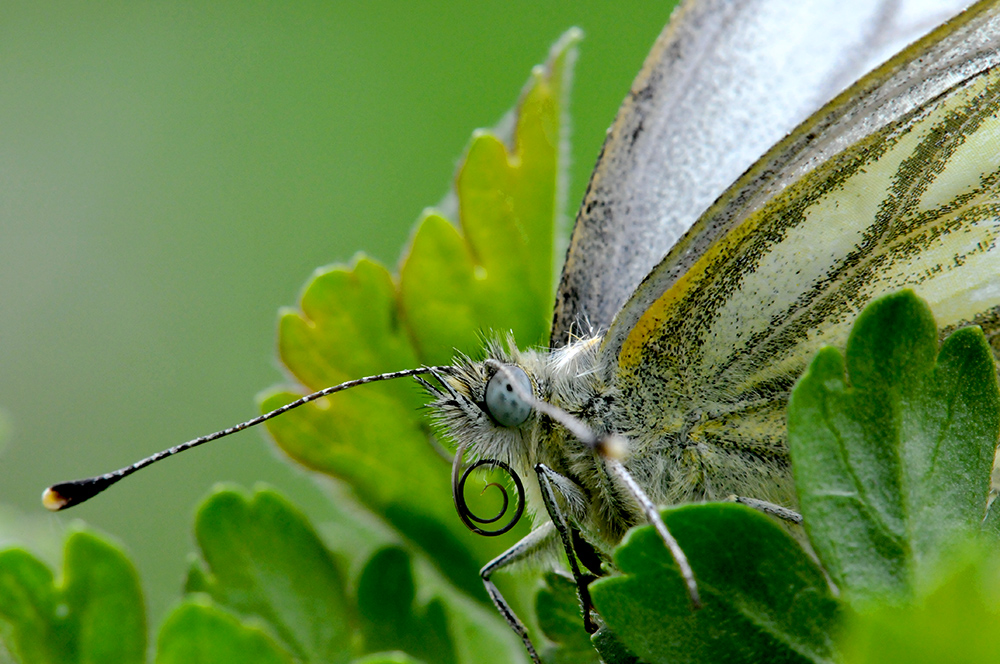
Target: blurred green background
170 175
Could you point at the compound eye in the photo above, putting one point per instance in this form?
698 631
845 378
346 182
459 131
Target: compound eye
503 402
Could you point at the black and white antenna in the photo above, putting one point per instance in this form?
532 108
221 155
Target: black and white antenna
66 494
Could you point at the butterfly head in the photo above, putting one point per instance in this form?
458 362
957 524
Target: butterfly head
482 407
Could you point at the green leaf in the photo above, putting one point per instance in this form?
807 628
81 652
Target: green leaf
452 287
95 615
559 617
390 619
558 611
264 560
763 598
892 460
991 524
199 633
493 270
498 271
28 601
957 622
103 601
387 658
612 650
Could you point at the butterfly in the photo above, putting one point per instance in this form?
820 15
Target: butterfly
893 184
687 308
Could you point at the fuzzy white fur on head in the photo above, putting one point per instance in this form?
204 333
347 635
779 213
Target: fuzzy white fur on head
568 379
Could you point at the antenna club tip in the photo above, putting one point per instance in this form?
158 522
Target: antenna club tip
53 500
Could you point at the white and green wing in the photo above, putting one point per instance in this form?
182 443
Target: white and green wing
725 81
711 343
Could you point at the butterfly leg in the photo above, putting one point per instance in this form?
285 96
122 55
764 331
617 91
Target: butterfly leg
537 540
611 447
550 481
772 509
652 515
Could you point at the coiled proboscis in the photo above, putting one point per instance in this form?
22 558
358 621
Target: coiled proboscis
470 519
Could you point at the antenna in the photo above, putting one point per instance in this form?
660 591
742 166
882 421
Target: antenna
66 494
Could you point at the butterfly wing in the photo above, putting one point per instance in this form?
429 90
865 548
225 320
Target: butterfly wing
724 82
710 344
